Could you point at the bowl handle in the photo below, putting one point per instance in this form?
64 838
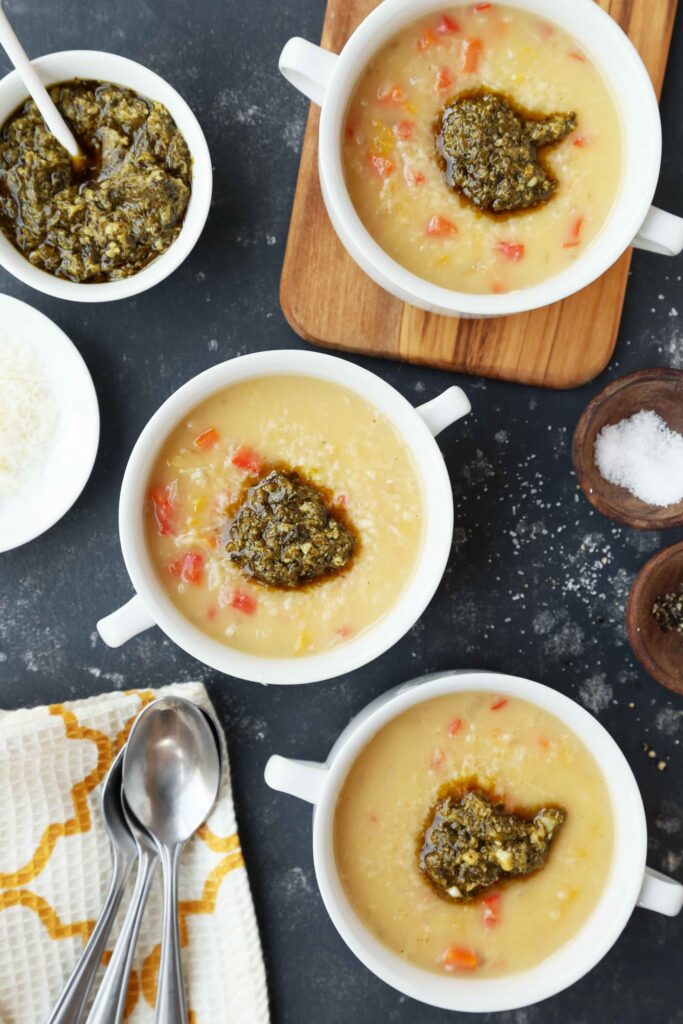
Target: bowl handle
304 779
307 67
445 409
125 622
660 893
661 232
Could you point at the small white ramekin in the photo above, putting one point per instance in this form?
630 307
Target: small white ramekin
329 80
416 427
629 882
95 65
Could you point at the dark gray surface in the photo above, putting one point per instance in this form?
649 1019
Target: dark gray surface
537 581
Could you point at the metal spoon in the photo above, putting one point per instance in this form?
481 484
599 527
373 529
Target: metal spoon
110 1002
71 1003
41 97
171 774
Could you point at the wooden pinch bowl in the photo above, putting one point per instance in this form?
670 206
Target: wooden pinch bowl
659 389
660 653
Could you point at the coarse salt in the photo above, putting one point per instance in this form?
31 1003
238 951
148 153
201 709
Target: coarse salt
643 455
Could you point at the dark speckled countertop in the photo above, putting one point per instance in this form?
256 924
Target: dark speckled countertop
537 580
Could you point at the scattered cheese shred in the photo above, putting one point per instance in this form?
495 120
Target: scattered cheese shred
28 411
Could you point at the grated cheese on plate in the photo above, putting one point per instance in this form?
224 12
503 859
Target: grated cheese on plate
28 411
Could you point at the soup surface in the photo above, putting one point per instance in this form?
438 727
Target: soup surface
525 757
340 444
396 177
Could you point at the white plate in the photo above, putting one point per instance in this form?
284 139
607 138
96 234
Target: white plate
53 487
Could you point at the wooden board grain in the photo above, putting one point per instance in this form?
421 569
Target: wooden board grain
330 302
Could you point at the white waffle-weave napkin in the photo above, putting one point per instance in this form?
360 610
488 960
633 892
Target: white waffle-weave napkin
55 870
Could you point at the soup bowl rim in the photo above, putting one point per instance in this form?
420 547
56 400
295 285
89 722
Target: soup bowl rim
437 506
98 65
602 39
598 932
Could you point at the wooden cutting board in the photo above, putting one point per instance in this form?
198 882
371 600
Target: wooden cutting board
330 302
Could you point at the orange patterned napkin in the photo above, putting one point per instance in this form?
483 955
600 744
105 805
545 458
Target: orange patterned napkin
55 870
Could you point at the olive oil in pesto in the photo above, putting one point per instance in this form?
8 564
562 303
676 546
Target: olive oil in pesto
471 843
489 151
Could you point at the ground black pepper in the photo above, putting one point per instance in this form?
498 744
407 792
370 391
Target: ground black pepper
668 612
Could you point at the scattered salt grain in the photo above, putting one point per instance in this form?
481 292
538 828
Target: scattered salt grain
643 455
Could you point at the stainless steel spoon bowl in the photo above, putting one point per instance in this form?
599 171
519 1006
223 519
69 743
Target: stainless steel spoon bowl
171 774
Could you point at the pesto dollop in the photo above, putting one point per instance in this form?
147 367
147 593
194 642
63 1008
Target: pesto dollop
284 535
471 843
490 151
109 219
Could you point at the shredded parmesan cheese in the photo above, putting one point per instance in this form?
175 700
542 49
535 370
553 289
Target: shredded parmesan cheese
28 411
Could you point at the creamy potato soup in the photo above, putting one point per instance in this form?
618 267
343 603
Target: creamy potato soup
401 177
488 747
284 457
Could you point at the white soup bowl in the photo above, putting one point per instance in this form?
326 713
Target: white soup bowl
329 79
629 882
416 428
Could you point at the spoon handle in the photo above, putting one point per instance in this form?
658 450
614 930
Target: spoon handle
110 1001
74 995
170 1005
29 76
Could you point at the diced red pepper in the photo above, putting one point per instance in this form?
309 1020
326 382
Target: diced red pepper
391 94
574 234
247 459
455 727
458 958
212 613
448 26
497 705
404 130
581 141
438 758
414 178
426 41
480 8
192 568
513 251
440 227
444 80
545 29
575 55
471 52
349 131
544 742
243 602
497 287
381 166
206 440
490 915
344 632
163 510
